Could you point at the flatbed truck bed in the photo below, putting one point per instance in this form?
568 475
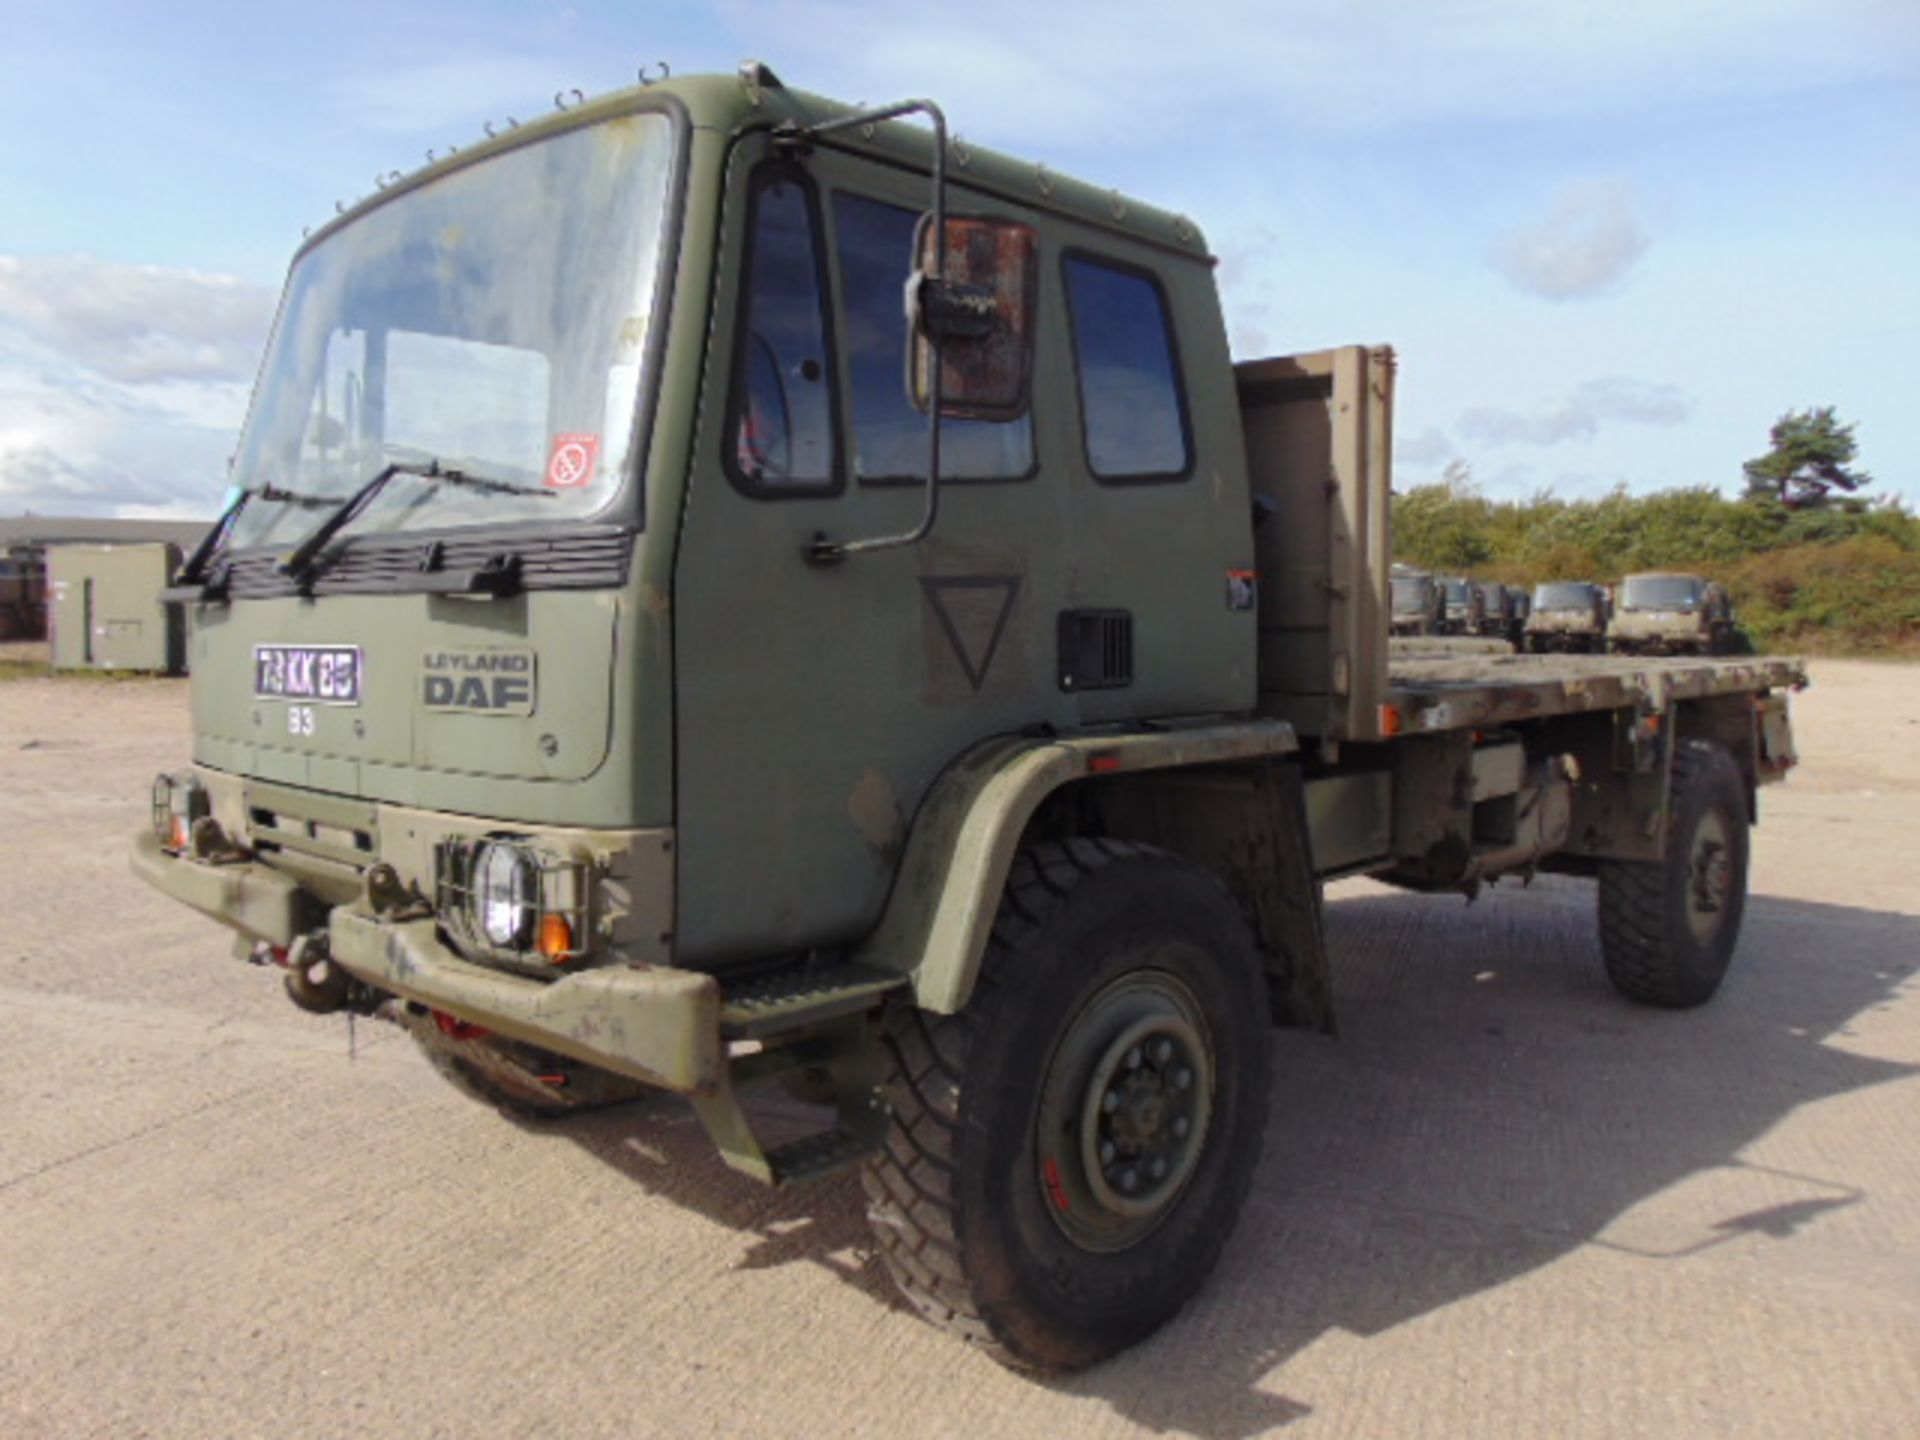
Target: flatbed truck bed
1441 692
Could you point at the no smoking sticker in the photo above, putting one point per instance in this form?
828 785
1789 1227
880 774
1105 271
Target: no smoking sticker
572 461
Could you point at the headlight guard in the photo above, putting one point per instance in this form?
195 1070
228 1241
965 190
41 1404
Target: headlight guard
506 898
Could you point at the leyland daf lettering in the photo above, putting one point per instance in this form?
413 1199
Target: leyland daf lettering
327 674
489 682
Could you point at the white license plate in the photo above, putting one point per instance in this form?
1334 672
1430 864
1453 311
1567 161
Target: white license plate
321 674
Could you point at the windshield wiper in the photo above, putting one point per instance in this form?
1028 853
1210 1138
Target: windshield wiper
299 562
191 582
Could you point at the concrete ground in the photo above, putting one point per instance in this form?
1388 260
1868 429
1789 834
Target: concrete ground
1504 1202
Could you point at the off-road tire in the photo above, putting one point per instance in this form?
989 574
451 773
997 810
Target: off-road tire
508 1076
1653 951
966 1201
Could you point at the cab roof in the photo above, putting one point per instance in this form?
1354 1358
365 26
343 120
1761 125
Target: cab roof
756 98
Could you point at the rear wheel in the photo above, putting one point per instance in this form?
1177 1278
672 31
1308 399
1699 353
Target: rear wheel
1069 1154
1668 927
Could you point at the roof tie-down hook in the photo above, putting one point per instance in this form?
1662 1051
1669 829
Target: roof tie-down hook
665 74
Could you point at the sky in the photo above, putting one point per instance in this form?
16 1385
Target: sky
1612 242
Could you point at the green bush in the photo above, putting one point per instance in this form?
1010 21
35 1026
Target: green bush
1839 578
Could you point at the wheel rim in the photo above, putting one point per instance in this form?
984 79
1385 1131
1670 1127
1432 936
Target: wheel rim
1709 876
1124 1110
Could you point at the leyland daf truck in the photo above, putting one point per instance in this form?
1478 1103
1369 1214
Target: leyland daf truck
733 594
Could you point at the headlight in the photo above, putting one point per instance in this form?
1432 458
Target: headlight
177 803
512 899
506 896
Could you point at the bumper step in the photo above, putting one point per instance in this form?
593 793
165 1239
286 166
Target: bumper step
810 1019
762 1005
816 1155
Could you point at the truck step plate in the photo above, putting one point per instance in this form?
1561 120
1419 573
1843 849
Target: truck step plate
764 1004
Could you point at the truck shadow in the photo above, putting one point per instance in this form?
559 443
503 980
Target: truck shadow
1490 1107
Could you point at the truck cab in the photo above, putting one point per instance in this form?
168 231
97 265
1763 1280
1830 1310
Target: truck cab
1671 614
1416 602
1464 609
1568 615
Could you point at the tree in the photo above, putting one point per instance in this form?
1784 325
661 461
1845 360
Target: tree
1810 457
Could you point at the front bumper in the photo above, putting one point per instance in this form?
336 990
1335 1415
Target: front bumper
253 899
655 1023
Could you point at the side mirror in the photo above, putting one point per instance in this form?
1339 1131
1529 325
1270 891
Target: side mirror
980 311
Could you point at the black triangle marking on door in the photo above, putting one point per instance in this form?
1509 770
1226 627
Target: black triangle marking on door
940 588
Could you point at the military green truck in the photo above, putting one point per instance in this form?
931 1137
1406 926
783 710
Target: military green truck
1569 615
1496 618
1671 614
645 656
1462 608
1416 603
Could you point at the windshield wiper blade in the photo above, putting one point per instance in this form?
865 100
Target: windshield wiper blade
194 571
465 471
298 561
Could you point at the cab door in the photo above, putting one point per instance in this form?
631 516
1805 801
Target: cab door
815 704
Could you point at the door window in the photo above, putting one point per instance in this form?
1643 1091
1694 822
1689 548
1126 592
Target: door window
780 438
889 432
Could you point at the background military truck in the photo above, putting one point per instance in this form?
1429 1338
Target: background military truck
1662 614
1416 602
1496 619
684 707
1568 615
1462 611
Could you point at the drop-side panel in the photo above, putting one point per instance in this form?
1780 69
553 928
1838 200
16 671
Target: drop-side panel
1318 432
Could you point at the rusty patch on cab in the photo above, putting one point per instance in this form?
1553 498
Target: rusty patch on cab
875 813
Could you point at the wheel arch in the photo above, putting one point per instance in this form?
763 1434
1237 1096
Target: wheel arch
976 816
1731 722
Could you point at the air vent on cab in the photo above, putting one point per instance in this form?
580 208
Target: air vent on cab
1096 649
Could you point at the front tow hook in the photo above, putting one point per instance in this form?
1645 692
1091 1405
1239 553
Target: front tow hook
314 982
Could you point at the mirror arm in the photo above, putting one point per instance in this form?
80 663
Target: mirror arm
820 550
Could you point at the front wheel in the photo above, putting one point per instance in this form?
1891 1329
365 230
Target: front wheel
1668 927
1069 1154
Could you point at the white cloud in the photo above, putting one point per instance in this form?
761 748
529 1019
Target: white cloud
121 386
1580 415
137 323
1588 241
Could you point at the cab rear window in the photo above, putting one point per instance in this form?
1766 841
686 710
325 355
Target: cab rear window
1132 408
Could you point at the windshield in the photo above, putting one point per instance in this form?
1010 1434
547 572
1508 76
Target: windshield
1660 592
495 320
1456 591
1410 596
1564 595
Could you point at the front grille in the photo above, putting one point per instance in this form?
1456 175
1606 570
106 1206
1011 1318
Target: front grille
324 827
596 558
